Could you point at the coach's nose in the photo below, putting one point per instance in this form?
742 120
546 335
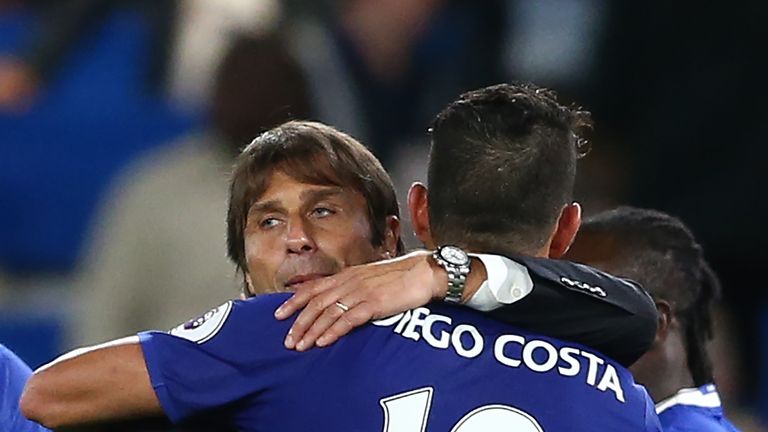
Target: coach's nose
299 236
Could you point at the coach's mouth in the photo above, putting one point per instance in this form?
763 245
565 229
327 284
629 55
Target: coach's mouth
304 278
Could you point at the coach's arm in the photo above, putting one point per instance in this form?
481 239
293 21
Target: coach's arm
92 385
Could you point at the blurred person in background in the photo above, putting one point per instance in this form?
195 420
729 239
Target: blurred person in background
381 69
14 374
660 252
189 38
61 28
158 250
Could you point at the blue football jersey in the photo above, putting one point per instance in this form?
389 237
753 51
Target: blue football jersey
14 374
435 368
694 409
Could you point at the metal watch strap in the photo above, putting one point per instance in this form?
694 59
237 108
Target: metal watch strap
456 283
457 276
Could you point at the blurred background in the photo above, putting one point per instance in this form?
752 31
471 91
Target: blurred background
119 120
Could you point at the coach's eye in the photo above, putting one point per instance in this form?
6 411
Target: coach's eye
322 212
269 222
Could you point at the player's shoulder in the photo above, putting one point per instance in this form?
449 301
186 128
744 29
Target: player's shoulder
259 308
259 303
232 317
262 300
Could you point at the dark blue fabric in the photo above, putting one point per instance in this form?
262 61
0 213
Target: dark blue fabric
243 364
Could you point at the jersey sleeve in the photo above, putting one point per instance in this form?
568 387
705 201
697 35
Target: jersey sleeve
209 361
14 374
575 302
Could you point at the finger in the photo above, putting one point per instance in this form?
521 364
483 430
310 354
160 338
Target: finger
331 314
306 317
313 310
355 317
299 299
305 292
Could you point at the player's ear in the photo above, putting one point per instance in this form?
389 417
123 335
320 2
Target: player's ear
391 236
418 206
567 226
664 321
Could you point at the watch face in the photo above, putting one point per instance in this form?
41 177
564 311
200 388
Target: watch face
454 255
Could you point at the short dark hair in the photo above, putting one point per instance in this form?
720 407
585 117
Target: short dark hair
660 252
313 153
502 165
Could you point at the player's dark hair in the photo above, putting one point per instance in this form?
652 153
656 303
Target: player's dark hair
502 165
660 252
313 153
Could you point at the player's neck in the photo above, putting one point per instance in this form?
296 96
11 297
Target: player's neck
668 387
673 375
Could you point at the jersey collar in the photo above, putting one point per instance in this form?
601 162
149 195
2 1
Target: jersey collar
705 397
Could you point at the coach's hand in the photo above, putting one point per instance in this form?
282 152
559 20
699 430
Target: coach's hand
333 306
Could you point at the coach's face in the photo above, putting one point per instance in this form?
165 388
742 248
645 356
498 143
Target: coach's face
297 232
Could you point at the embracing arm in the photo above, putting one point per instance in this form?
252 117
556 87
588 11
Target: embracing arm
102 383
555 298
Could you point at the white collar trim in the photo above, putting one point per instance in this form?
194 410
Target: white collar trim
691 397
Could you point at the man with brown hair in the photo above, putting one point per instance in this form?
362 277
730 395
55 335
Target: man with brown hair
318 191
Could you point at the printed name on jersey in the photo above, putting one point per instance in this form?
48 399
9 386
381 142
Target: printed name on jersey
204 327
583 286
510 350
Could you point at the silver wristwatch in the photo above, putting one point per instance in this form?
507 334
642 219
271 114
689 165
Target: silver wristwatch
457 264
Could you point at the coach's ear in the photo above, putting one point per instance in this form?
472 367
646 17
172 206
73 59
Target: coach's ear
248 287
418 206
567 226
391 237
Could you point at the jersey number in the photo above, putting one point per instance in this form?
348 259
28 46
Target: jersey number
409 412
